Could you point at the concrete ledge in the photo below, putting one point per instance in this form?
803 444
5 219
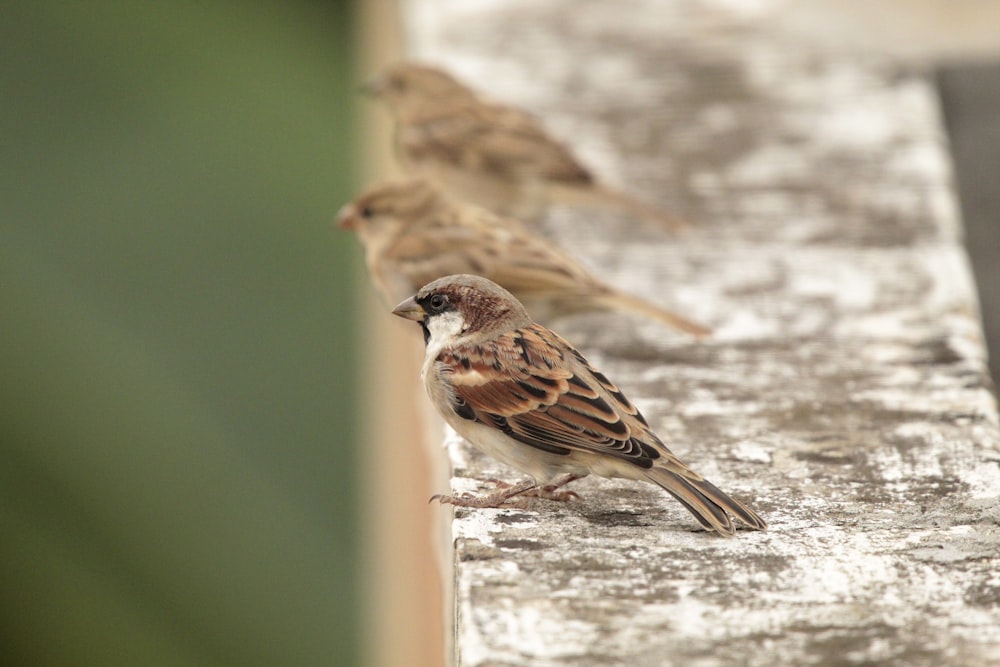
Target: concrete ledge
844 394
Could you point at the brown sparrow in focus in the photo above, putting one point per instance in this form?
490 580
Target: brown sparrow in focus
413 233
526 397
488 153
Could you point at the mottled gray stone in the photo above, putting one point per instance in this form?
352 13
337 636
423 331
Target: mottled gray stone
844 393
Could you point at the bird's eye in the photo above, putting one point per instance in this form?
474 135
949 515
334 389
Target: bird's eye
437 302
367 212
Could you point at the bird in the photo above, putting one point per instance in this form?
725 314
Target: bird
495 155
413 233
526 397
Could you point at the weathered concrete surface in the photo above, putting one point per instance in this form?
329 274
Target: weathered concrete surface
844 394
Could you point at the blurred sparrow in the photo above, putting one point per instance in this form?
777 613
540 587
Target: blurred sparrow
488 153
413 233
526 397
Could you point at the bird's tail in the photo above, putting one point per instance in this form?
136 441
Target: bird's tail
616 300
605 197
705 501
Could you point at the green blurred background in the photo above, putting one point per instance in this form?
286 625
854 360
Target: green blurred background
178 483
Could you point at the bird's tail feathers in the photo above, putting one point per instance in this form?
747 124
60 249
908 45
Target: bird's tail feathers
705 501
605 197
616 300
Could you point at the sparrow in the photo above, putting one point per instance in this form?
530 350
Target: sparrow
413 233
523 395
491 154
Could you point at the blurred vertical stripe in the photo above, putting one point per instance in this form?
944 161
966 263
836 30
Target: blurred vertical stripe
177 356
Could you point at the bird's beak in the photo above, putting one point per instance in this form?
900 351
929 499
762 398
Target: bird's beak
346 217
410 310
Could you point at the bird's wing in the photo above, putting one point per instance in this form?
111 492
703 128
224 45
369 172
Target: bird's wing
536 388
471 240
489 137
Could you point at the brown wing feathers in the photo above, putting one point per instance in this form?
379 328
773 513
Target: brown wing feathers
542 404
496 138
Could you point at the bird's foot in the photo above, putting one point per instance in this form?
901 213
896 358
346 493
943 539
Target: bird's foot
552 492
507 495
546 492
